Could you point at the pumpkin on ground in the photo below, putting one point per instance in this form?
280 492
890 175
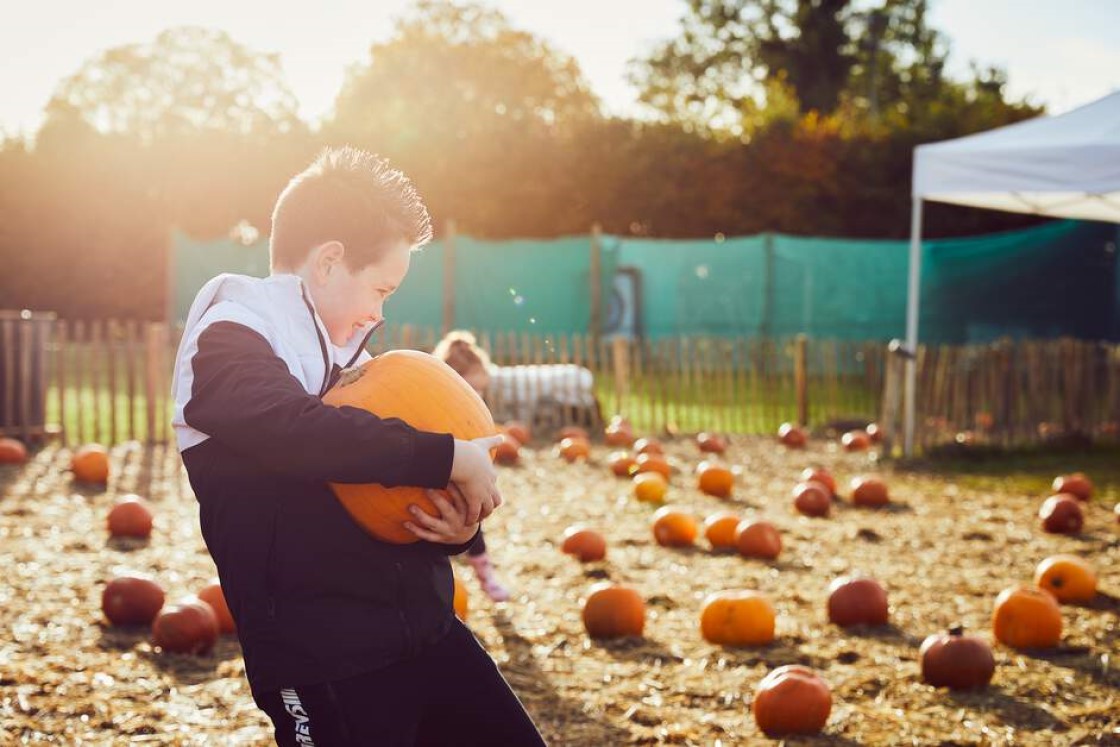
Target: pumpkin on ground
650 487
131 600
424 392
674 528
792 699
874 432
618 435
857 600
653 463
719 530
792 436
613 611
711 443
822 476
1067 577
12 451
518 430
622 464
714 479
1076 484
187 627
1061 514
90 463
584 543
1027 617
573 449
508 451
213 595
869 492
855 441
957 661
758 539
130 517
648 446
573 431
737 618
812 499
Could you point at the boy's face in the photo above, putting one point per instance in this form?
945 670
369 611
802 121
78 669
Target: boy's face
348 301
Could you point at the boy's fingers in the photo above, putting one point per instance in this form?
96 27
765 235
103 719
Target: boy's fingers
422 533
426 519
489 442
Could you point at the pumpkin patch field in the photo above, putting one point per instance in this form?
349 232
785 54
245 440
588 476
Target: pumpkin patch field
810 594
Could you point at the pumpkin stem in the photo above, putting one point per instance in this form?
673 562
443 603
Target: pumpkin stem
349 376
957 629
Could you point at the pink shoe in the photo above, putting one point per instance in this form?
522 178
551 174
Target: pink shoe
487 578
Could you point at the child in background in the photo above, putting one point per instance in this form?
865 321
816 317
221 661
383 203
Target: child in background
458 350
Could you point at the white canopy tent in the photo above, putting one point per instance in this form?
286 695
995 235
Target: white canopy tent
1067 166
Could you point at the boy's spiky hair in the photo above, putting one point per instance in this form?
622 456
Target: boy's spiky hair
347 195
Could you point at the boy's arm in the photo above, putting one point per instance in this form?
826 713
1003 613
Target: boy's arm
243 395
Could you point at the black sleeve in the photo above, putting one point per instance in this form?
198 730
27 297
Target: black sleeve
245 396
457 549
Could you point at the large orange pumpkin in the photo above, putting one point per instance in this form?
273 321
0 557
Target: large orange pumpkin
1067 577
714 479
1077 484
758 539
674 528
1027 617
613 611
424 392
719 530
461 600
737 618
12 451
792 700
90 463
585 544
130 517
213 595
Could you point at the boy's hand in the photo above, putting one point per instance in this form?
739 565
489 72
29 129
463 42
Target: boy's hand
474 474
450 527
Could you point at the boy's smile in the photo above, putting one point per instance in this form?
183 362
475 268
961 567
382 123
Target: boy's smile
348 301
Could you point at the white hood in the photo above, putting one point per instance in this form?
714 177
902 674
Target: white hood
279 309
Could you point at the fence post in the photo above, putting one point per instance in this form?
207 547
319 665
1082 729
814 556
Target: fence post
801 378
892 391
621 362
595 278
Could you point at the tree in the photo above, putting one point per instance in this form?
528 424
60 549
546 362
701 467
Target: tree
716 72
187 80
478 113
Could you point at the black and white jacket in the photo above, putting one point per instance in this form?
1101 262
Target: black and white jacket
314 596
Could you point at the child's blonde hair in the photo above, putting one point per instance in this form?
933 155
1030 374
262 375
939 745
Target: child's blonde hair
459 349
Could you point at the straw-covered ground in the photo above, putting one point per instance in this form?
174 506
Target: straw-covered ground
943 551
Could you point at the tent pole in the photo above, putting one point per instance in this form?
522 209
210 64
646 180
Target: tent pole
912 299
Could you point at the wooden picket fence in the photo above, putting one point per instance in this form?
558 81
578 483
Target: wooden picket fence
109 381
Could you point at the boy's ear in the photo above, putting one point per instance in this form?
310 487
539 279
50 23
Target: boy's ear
326 258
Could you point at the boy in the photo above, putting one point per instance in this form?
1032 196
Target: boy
346 640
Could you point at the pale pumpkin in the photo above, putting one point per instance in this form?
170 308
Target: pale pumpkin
737 618
424 392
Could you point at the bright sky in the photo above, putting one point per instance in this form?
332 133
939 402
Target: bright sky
1062 54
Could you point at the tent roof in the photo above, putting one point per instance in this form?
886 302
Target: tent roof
1064 166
